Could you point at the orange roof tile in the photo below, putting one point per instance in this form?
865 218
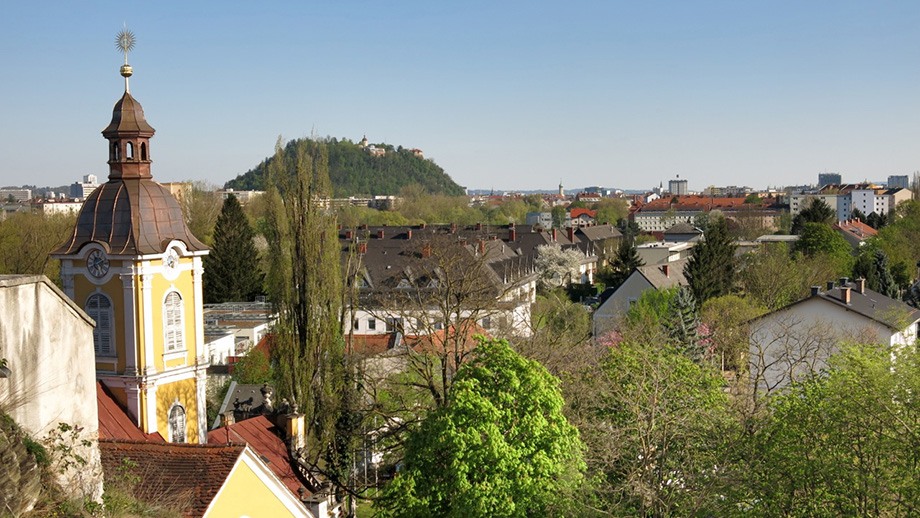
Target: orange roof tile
114 422
263 437
574 213
173 472
369 344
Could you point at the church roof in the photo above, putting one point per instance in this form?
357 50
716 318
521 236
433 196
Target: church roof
133 216
127 118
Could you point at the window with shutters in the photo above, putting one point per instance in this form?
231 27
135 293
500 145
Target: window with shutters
99 308
176 423
173 327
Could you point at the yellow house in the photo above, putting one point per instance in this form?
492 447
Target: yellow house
133 265
208 481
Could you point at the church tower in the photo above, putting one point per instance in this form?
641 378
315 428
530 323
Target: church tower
134 266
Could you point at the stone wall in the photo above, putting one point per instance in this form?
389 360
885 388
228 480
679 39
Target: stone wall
47 342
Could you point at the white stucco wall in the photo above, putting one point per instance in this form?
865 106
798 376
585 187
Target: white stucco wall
797 341
614 308
48 344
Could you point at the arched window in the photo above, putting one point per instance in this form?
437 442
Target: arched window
99 308
173 329
143 151
129 150
116 151
176 422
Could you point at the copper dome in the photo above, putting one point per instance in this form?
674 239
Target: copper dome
135 216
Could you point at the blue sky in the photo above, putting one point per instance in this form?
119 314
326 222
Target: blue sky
504 95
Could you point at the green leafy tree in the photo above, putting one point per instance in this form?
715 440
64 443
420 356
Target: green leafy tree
657 428
559 214
753 198
726 320
611 210
858 215
819 239
710 272
27 240
253 369
232 271
502 448
843 443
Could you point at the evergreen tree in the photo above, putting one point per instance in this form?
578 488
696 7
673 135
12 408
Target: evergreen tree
886 284
231 270
682 322
710 272
625 262
815 211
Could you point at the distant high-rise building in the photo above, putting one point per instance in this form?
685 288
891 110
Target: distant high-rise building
678 187
901 181
20 195
828 179
84 188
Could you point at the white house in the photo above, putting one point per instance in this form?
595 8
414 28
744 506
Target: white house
795 341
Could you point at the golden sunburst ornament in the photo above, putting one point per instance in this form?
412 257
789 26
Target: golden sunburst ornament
124 41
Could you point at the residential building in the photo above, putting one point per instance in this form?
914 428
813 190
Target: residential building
678 187
796 341
663 252
52 207
898 182
243 197
825 179
648 277
844 199
855 232
12 193
660 215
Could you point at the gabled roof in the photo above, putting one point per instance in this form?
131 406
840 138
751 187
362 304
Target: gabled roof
656 276
114 422
264 438
889 312
856 228
174 472
683 228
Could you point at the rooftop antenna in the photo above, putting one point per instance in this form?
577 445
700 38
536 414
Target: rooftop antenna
124 41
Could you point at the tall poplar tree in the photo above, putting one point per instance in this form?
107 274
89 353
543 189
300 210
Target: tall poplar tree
231 270
306 287
710 272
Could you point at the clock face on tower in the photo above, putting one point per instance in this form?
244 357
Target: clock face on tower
97 264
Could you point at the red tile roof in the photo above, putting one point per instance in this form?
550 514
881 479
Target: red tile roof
574 213
369 344
172 473
114 422
263 437
856 228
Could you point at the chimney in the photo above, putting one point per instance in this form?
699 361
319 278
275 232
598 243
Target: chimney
294 431
511 225
338 227
844 281
380 234
830 285
845 295
453 228
348 234
513 233
364 226
463 242
860 285
478 226
362 248
426 250
554 234
666 269
571 234
226 419
422 226
815 290
482 246
409 234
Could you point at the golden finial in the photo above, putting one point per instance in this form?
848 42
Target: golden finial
124 41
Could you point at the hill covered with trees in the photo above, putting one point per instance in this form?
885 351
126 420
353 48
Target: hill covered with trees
354 171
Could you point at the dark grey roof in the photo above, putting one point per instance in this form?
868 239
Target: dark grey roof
654 274
873 305
683 228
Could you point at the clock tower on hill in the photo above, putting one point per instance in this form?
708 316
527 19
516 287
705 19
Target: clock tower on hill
134 266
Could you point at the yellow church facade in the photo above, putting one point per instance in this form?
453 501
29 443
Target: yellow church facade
133 265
